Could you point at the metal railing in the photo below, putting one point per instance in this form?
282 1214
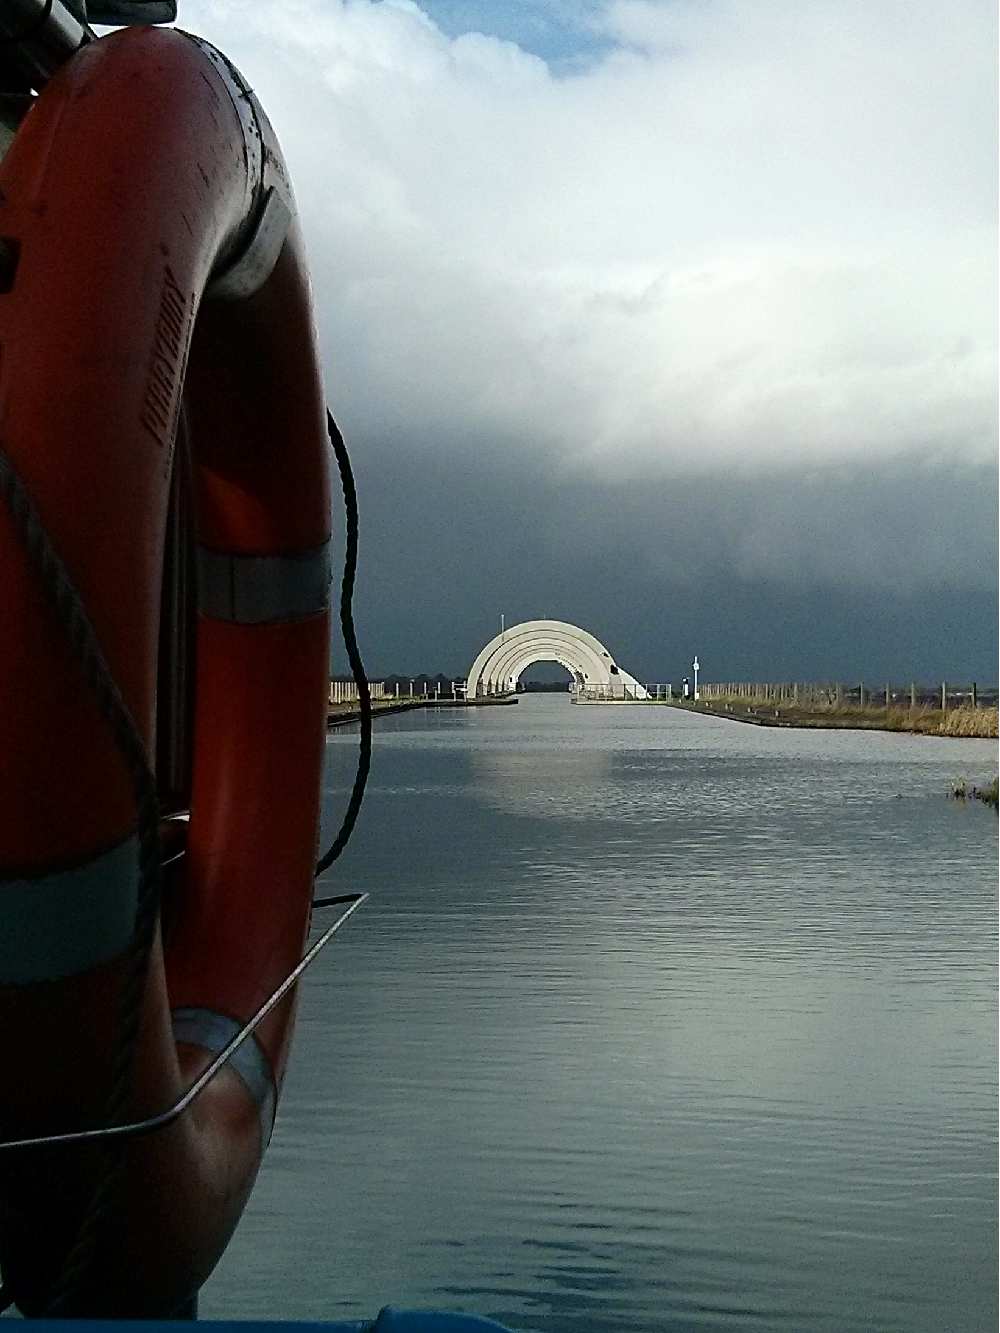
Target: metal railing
346 691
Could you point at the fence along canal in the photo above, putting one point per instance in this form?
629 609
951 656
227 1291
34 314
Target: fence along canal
860 695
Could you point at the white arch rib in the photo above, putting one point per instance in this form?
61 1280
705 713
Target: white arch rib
500 663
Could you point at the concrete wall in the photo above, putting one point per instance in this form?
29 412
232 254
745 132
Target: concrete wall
504 658
346 692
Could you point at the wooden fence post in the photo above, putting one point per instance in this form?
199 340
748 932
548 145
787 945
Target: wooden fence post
913 694
975 695
887 696
861 693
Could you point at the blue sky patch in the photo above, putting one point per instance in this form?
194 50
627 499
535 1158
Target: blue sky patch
561 32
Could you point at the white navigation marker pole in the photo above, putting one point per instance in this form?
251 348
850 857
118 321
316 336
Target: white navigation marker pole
694 668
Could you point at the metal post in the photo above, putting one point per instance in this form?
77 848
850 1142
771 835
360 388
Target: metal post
944 696
694 668
50 33
975 695
913 694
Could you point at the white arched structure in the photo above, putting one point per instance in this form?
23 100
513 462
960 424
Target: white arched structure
594 670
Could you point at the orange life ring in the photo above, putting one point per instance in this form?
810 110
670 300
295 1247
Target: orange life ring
153 259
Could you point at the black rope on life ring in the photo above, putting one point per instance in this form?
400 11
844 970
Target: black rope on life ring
71 615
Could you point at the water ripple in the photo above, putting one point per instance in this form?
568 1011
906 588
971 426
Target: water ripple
653 1023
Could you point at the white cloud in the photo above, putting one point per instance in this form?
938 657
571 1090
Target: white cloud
753 232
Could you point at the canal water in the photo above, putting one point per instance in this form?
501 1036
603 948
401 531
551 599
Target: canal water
653 1022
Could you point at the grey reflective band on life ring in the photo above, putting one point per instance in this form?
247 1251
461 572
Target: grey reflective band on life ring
69 921
212 1032
263 589
246 274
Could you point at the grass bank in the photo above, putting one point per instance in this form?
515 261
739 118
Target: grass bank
924 719
989 795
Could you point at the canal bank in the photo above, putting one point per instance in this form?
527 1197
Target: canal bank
978 723
339 715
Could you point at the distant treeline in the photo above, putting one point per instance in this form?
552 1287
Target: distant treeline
422 683
390 682
426 684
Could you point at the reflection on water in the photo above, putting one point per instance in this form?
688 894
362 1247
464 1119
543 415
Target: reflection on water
654 1022
541 783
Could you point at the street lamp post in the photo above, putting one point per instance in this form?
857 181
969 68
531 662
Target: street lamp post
694 668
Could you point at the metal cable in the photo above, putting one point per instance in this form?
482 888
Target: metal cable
160 1119
351 644
72 617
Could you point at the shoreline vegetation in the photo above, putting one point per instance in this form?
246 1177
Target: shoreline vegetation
989 795
924 719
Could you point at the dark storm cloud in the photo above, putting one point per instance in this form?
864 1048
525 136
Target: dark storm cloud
692 342
866 571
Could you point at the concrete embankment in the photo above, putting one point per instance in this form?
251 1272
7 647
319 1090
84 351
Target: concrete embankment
339 715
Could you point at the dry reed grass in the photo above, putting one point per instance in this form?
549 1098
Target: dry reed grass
969 722
989 795
924 719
